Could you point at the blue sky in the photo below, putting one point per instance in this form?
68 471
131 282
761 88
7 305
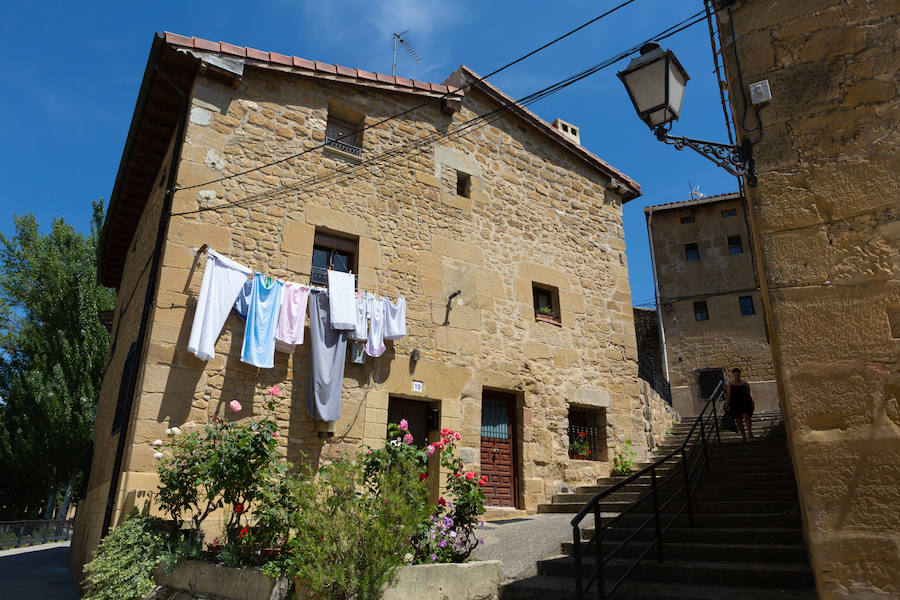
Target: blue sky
70 73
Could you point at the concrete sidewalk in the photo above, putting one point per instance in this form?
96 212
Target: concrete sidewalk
37 573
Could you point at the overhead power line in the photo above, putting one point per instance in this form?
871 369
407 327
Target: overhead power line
417 107
463 129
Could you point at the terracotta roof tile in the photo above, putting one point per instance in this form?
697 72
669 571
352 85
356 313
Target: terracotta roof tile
280 59
302 63
202 44
232 49
326 67
693 201
257 54
179 40
345 71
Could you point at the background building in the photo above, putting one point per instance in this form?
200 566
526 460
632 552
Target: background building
709 301
507 244
824 217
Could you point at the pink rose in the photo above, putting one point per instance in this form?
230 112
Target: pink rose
429 450
275 391
235 406
408 439
470 476
403 425
274 434
458 437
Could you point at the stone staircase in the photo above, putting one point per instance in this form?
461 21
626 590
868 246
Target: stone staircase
747 540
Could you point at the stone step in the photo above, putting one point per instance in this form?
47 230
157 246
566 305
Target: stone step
699 506
541 587
735 485
730 552
757 535
703 520
782 493
746 476
743 574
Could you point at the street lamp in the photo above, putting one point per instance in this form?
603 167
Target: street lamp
655 82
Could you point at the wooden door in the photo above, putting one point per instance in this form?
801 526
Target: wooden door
498 448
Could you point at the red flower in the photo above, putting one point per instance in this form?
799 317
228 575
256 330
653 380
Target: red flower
423 477
470 476
242 533
442 502
238 508
582 434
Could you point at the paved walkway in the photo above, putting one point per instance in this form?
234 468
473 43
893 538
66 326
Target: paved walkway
37 573
519 543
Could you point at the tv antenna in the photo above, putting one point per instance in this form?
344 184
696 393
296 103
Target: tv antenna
695 193
398 37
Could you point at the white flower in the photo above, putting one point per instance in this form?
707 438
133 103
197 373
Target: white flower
408 558
157 442
158 455
168 431
395 442
176 431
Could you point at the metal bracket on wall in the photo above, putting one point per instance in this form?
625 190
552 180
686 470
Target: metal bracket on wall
737 160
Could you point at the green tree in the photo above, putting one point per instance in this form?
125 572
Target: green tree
52 352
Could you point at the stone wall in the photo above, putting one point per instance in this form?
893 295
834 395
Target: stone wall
126 322
825 221
646 330
658 418
535 214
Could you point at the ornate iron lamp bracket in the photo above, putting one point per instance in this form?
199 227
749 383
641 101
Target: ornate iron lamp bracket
737 160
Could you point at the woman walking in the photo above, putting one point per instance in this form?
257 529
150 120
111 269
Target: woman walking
740 403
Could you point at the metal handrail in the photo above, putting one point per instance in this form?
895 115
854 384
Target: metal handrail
692 458
14 534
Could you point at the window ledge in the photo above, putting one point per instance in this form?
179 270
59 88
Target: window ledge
338 152
548 319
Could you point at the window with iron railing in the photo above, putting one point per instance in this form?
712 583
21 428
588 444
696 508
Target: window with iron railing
332 252
587 433
343 136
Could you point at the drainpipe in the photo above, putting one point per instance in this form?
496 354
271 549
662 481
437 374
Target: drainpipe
659 317
161 233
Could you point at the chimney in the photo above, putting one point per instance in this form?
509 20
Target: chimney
568 130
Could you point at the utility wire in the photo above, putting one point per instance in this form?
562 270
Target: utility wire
417 107
474 123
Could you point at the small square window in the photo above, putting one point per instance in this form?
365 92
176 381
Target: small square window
343 136
686 220
734 245
691 252
747 305
700 311
546 303
463 184
574 131
729 212
332 252
587 433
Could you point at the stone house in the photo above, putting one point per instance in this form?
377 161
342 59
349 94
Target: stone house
708 299
476 231
824 218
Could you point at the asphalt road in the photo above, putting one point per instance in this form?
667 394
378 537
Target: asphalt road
37 573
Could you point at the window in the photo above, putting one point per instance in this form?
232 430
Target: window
686 220
587 433
343 136
332 252
574 131
691 252
729 212
700 311
734 245
463 184
126 388
546 303
747 305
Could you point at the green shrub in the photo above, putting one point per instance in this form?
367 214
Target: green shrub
122 567
623 463
347 540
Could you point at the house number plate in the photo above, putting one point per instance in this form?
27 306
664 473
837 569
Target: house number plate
417 386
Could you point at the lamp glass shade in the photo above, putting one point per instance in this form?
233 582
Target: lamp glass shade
655 81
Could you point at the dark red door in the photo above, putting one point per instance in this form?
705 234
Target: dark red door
497 448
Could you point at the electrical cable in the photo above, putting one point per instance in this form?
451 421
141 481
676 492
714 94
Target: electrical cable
480 121
414 108
740 75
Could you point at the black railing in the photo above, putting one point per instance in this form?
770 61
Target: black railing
648 371
689 460
14 534
344 147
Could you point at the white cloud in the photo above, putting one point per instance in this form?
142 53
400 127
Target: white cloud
422 17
